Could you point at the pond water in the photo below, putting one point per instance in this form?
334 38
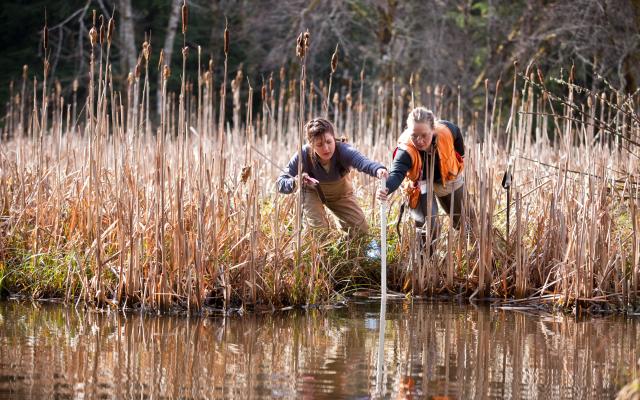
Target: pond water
430 350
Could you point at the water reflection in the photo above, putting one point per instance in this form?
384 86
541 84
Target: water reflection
431 350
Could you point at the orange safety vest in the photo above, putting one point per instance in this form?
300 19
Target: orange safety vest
451 163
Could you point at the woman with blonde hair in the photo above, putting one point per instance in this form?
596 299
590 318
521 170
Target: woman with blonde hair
428 143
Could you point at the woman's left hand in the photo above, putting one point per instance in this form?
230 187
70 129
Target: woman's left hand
382 173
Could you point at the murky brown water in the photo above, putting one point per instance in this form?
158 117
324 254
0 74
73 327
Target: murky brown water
430 350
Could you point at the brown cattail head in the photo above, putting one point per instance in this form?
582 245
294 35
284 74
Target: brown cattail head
101 18
263 92
25 72
334 60
307 41
572 73
185 16
161 60
235 84
226 40
110 28
146 50
185 52
245 174
166 72
271 83
138 69
300 46
282 74
540 76
93 36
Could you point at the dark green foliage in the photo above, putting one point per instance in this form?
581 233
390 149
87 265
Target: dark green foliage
450 43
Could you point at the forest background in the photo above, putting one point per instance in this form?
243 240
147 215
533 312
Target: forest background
448 43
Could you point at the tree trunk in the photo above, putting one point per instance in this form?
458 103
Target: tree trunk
174 17
128 58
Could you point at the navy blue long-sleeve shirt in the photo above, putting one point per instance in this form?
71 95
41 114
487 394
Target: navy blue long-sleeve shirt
402 161
344 158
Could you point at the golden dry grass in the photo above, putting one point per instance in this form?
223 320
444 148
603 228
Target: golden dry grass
98 204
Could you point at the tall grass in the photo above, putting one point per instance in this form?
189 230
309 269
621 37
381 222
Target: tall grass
184 213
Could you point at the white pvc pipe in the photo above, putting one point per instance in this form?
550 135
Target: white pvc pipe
383 288
383 244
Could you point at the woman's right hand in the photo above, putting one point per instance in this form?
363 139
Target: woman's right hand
383 194
308 181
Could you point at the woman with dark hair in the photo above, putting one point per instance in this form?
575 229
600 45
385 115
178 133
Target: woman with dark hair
325 179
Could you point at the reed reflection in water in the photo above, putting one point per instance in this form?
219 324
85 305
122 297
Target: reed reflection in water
430 349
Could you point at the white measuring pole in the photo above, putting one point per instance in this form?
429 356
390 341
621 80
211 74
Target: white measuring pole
383 288
383 243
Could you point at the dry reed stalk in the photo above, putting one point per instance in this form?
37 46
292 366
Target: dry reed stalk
412 105
302 46
450 249
381 114
521 276
144 104
236 86
490 142
251 200
334 66
23 94
199 108
361 107
219 169
271 131
348 129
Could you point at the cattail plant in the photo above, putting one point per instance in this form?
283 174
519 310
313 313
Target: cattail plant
334 66
302 46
